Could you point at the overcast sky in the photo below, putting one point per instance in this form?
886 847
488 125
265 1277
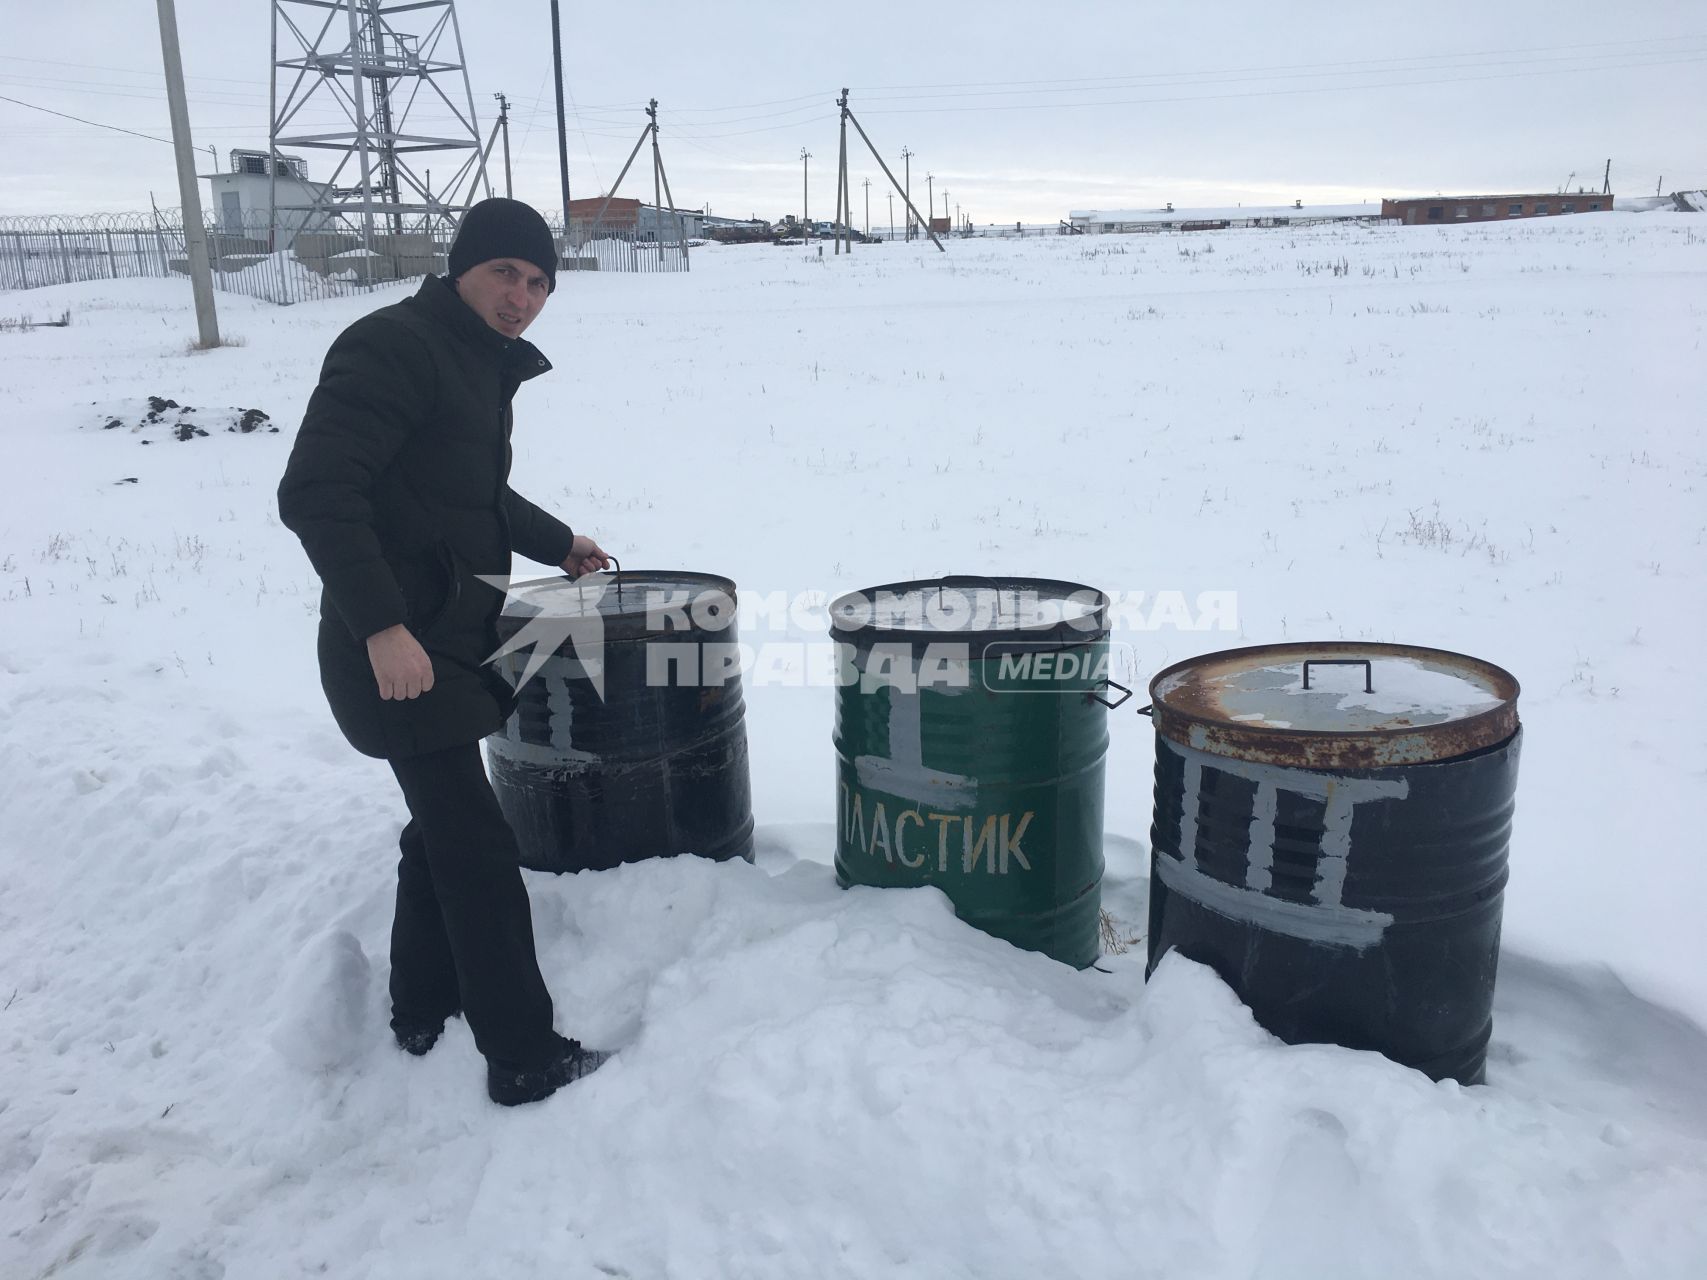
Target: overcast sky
1021 111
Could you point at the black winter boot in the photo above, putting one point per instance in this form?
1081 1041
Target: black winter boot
418 1037
511 1086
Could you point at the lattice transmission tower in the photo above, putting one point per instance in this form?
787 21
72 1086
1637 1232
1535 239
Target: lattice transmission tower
350 77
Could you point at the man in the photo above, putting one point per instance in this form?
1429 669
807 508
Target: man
398 487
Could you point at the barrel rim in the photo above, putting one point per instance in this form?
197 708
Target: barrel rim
632 625
1085 630
1341 748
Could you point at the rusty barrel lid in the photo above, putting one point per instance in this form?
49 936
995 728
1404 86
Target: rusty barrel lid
1335 704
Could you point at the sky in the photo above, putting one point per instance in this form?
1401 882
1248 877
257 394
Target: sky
1014 111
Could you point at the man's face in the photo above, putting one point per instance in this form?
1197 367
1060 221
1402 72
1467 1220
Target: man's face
507 293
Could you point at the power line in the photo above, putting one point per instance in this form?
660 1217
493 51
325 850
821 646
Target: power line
793 124
619 120
1297 66
333 120
592 111
744 106
1384 86
80 120
586 143
1170 80
220 98
528 132
630 108
90 66
593 117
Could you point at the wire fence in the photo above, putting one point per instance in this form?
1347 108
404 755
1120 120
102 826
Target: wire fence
284 264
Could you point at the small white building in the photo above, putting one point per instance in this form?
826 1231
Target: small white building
244 197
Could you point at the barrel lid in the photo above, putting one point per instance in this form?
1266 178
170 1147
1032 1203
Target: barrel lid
979 611
1336 704
632 604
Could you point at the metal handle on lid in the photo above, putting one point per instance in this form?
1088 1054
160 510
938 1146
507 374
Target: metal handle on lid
1125 693
1368 669
616 577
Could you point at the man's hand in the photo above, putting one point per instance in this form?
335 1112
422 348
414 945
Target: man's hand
584 556
400 664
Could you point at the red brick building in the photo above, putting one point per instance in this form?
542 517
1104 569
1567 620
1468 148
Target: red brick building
619 213
1437 210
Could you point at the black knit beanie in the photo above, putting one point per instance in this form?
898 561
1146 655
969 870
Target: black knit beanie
500 228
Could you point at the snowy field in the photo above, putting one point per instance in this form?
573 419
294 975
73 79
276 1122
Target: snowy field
1482 438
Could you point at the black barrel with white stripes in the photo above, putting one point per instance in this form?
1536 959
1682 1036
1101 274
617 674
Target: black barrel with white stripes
628 740
1331 830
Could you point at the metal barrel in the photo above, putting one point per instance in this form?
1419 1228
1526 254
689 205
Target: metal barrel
628 741
1337 849
970 734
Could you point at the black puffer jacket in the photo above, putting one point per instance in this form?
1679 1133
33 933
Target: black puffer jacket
398 486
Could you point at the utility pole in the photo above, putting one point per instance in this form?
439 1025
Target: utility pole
562 124
805 202
891 194
657 180
1606 184
868 208
504 125
195 233
930 199
843 213
907 189
944 206
660 177
846 189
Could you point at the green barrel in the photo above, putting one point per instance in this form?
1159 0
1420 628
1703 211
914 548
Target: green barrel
971 728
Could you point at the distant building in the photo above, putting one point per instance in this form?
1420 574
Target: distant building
1438 210
710 222
244 197
1172 219
633 217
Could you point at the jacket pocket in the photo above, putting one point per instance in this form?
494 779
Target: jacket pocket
426 583
458 628
450 574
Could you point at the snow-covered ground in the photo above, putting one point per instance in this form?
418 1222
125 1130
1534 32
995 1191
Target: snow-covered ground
1483 438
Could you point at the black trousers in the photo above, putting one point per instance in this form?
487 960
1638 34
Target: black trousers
462 936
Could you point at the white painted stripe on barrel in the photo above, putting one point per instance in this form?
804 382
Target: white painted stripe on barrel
906 728
1310 921
903 772
1259 871
1340 797
1191 786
